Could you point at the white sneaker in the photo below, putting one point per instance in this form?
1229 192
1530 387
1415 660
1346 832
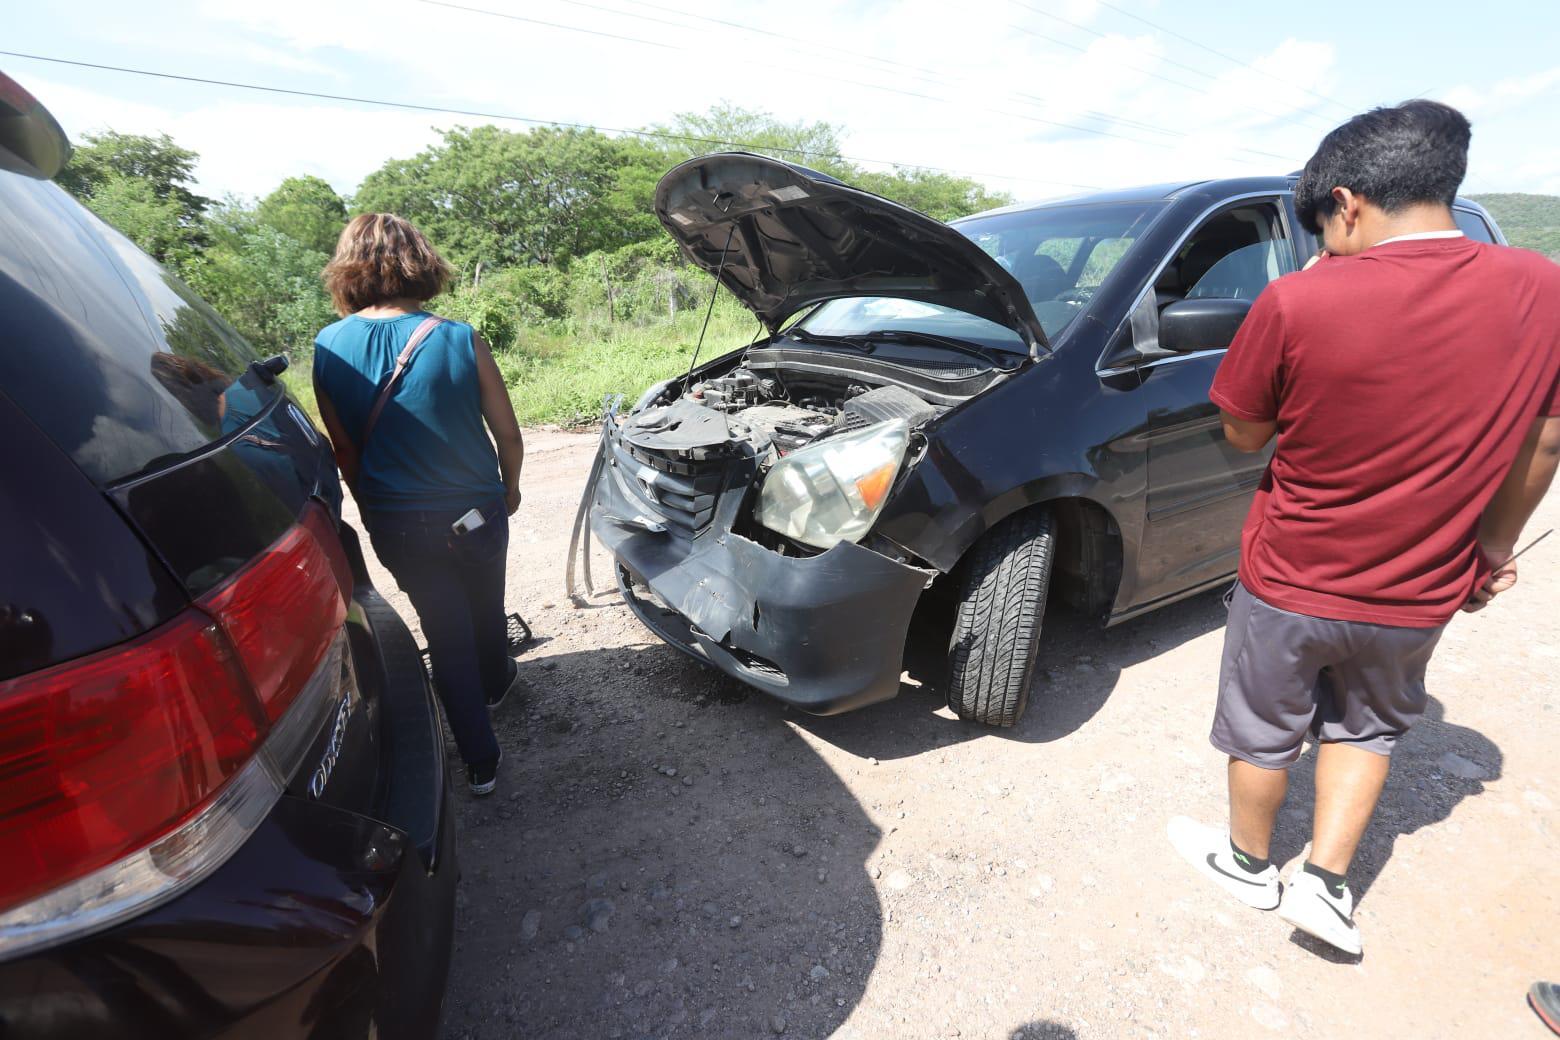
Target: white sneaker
1310 907
1207 849
483 781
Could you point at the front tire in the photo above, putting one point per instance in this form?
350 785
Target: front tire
996 628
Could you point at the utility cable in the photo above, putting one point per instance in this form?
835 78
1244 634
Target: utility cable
839 79
509 117
1218 53
1159 76
916 94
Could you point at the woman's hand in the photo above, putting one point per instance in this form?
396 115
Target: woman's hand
512 500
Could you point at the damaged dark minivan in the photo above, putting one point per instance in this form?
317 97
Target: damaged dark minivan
975 421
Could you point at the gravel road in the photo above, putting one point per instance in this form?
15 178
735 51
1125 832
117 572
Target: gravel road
669 856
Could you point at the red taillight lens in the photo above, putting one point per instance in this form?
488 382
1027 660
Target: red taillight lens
283 610
328 538
102 755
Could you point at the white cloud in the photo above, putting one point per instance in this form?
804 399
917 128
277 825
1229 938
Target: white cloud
247 148
1503 95
993 95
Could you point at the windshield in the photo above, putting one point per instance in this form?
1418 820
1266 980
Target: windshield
1059 254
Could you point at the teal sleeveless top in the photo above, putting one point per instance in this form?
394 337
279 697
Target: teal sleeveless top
430 449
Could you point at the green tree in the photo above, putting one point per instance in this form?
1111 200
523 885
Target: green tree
503 198
103 163
307 210
816 145
156 226
1529 221
727 127
945 196
168 168
266 283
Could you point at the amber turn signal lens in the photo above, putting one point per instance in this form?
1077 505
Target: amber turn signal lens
874 486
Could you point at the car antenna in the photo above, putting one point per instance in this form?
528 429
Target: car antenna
694 361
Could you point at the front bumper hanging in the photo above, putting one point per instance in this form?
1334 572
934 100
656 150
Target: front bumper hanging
825 633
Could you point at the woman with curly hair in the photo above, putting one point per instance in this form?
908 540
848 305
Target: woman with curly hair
409 399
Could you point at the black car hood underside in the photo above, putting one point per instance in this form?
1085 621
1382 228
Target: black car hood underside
793 237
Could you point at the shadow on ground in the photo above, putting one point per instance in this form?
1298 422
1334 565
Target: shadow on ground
1434 767
1078 667
609 889
1042 1030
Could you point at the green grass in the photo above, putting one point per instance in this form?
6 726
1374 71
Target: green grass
557 377
299 381
562 377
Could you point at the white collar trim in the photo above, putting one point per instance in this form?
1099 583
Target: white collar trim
1420 235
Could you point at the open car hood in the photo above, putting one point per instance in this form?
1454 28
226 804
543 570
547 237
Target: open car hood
798 237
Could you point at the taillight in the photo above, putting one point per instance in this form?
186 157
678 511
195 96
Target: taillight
129 773
105 754
282 610
320 525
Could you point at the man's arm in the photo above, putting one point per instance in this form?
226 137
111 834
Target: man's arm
1519 494
1245 435
1249 382
499 412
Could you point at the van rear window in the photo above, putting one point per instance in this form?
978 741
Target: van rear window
118 361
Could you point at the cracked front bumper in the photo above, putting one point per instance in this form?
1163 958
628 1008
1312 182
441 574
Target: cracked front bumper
825 633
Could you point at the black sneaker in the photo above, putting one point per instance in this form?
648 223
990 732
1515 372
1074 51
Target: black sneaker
484 779
511 686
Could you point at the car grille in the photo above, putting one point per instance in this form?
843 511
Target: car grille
681 492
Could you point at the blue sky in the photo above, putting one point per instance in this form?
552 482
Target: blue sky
1034 97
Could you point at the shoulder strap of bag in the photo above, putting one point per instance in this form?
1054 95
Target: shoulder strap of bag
413 342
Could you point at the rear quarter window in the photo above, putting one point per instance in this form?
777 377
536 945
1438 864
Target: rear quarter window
1473 226
119 362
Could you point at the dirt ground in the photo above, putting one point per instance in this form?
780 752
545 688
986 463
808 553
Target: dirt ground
670 856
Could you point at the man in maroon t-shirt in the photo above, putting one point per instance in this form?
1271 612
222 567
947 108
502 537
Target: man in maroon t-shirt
1412 377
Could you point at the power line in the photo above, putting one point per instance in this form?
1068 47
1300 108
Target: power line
838 79
920 72
811 45
918 95
1218 53
1138 68
509 117
555 25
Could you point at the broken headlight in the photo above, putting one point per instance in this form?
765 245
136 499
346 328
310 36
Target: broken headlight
832 491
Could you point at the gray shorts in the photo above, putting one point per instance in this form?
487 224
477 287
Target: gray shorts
1286 674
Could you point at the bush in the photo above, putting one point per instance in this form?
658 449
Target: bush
561 375
264 282
639 284
489 309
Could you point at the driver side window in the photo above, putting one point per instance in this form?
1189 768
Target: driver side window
1233 256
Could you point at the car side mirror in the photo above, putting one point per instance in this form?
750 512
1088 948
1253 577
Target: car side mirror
1201 324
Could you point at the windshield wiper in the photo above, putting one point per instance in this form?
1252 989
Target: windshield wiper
861 343
1003 358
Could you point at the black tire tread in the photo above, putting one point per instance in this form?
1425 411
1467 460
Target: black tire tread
996 631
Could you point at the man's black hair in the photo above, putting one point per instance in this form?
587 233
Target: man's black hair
1394 157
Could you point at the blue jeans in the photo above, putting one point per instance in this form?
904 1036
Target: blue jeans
456 585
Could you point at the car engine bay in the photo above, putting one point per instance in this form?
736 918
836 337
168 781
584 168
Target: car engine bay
769 413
